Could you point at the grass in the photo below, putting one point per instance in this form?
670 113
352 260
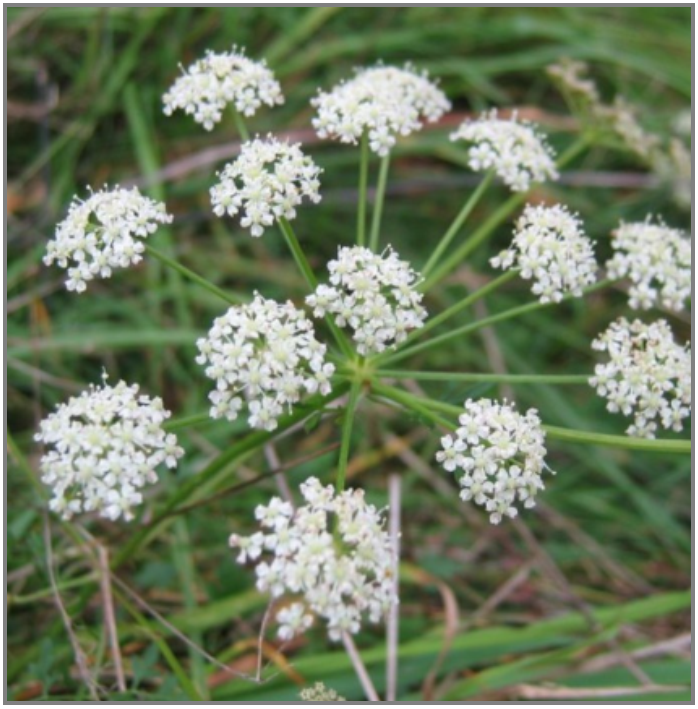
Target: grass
594 584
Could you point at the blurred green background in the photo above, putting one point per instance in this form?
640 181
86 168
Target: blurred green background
84 107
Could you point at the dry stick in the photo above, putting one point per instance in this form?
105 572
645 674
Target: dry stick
275 464
451 624
360 668
451 610
80 658
32 296
559 577
527 691
260 641
393 631
39 376
145 606
596 550
499 596
679 646
109 616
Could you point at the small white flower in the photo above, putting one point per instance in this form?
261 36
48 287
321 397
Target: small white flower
451 457
264 353
551 249
656 260
293 620
336 559
210 84
513 149
267 181
105 446
383 102
374 295
502 455
320 693
648 376
102 233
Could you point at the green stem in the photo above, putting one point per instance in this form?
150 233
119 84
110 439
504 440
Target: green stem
458 223
363 191
478 237
649 445
379 201
468 377
309 275
555 432
578 147
461 305
193 488
298 253
241 126
179 424
347 427
194 277
411 402
485 322
498 217
62 586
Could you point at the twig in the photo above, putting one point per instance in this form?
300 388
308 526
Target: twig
80 658
275 464
29 297
679 646
260 641
360 669
177 633
393 630
109 617
558 577
41 376
499 596
596 550
451 615
527 691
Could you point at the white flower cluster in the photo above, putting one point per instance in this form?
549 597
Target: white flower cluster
210 84
551 248
267 181
374 295
265 352
102 233
501 453
383 102
105 446
657 260
648 375
513 149
320 693
332 553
